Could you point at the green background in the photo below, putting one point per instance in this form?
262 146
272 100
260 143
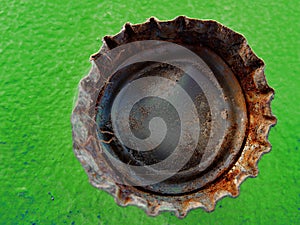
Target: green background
44 52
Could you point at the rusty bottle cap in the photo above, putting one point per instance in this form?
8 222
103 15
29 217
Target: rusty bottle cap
174 115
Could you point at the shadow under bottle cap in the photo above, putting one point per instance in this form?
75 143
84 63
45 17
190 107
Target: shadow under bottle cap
174 115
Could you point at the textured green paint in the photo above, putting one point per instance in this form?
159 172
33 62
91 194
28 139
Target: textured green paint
44 52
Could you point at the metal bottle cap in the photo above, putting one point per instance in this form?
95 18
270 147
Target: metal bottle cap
174 115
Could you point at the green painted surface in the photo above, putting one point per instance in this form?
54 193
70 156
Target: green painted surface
44 52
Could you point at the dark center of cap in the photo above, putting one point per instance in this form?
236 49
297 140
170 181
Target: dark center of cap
196 112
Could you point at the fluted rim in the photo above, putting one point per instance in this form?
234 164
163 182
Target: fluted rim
247 67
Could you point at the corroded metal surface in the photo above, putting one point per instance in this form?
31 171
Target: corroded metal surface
238 85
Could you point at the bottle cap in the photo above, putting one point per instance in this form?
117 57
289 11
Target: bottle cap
173 115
